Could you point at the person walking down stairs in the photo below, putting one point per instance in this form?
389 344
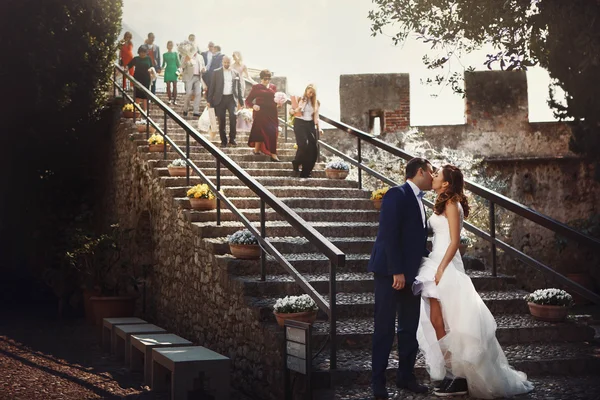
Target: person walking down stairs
264 133
306 123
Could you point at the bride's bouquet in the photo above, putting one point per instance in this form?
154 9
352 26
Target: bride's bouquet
186 49
245 114
280 98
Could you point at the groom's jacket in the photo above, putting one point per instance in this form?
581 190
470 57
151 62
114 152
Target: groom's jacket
402 237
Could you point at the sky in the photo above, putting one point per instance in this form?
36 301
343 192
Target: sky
314 41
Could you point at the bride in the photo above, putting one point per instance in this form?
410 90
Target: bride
457 332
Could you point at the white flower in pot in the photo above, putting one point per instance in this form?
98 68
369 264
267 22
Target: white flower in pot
244 245
550 305
337 169
297 308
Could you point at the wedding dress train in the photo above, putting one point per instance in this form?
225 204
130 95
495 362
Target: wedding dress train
470 348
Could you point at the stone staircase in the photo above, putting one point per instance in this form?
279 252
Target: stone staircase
346 216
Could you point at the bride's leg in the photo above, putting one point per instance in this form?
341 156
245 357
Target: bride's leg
436 317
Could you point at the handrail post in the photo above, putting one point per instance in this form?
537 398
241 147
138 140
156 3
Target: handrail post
285 119
493 235
148 120
115 80
165 133
218 190
134 108
263 234
187 156
341 261
359 163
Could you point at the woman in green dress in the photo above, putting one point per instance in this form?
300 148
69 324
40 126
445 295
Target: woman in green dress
171 60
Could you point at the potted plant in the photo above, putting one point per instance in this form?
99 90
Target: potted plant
105 275
244 245
141 126
177 167
377 196
156 143
128 110
337 169
550 305
297 308
201 197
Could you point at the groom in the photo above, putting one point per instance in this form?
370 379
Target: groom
395 261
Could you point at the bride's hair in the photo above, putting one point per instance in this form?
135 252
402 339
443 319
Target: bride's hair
454 192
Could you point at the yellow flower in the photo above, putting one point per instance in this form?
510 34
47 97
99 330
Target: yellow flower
379 193
295 147
156 139
201 191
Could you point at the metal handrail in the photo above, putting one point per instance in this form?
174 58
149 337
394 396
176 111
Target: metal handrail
336 257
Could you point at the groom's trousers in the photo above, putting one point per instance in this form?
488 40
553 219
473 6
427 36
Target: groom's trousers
390 302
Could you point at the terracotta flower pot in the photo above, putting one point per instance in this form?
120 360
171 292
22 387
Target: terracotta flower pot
548 313
156 148
177 171
87 304
307 316
377 203
336 173
245 251
141 128
203 204
585 280
112 307
127 114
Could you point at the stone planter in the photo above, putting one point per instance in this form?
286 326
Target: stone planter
336 173
377 204
127 114
307 316
203 204
156 148
548 313
585 280
245 251
141 128
112 307
177 171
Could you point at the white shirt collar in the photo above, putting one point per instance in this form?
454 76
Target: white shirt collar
414 187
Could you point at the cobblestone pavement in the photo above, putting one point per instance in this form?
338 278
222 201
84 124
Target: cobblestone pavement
44 358
547 388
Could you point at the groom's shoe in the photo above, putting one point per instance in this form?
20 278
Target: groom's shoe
456 387
413 386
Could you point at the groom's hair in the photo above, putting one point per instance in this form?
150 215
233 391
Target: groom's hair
412 167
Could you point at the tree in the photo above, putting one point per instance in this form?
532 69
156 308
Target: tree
561 36
55 75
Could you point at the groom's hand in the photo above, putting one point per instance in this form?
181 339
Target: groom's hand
399 282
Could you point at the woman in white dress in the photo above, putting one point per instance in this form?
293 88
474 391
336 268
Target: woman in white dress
457 332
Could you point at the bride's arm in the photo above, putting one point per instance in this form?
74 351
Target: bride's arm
453 216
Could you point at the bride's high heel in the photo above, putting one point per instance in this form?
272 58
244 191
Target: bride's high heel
275 158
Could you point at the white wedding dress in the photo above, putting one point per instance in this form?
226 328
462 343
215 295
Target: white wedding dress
470 348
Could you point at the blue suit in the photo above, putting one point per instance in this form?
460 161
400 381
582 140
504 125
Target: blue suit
400 245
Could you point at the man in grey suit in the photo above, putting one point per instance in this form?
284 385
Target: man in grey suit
225 94
193 68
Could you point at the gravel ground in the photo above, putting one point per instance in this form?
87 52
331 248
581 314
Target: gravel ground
44 358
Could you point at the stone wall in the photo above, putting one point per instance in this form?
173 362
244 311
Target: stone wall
187 292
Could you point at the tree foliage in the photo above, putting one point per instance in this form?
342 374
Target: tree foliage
58 57
561 36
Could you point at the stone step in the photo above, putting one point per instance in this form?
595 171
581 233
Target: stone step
158 162
295 202
309 215
172 154
355 333
267 181
535 359
255 172
240 150
283 191
301 245
280 228
347 282
362 304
